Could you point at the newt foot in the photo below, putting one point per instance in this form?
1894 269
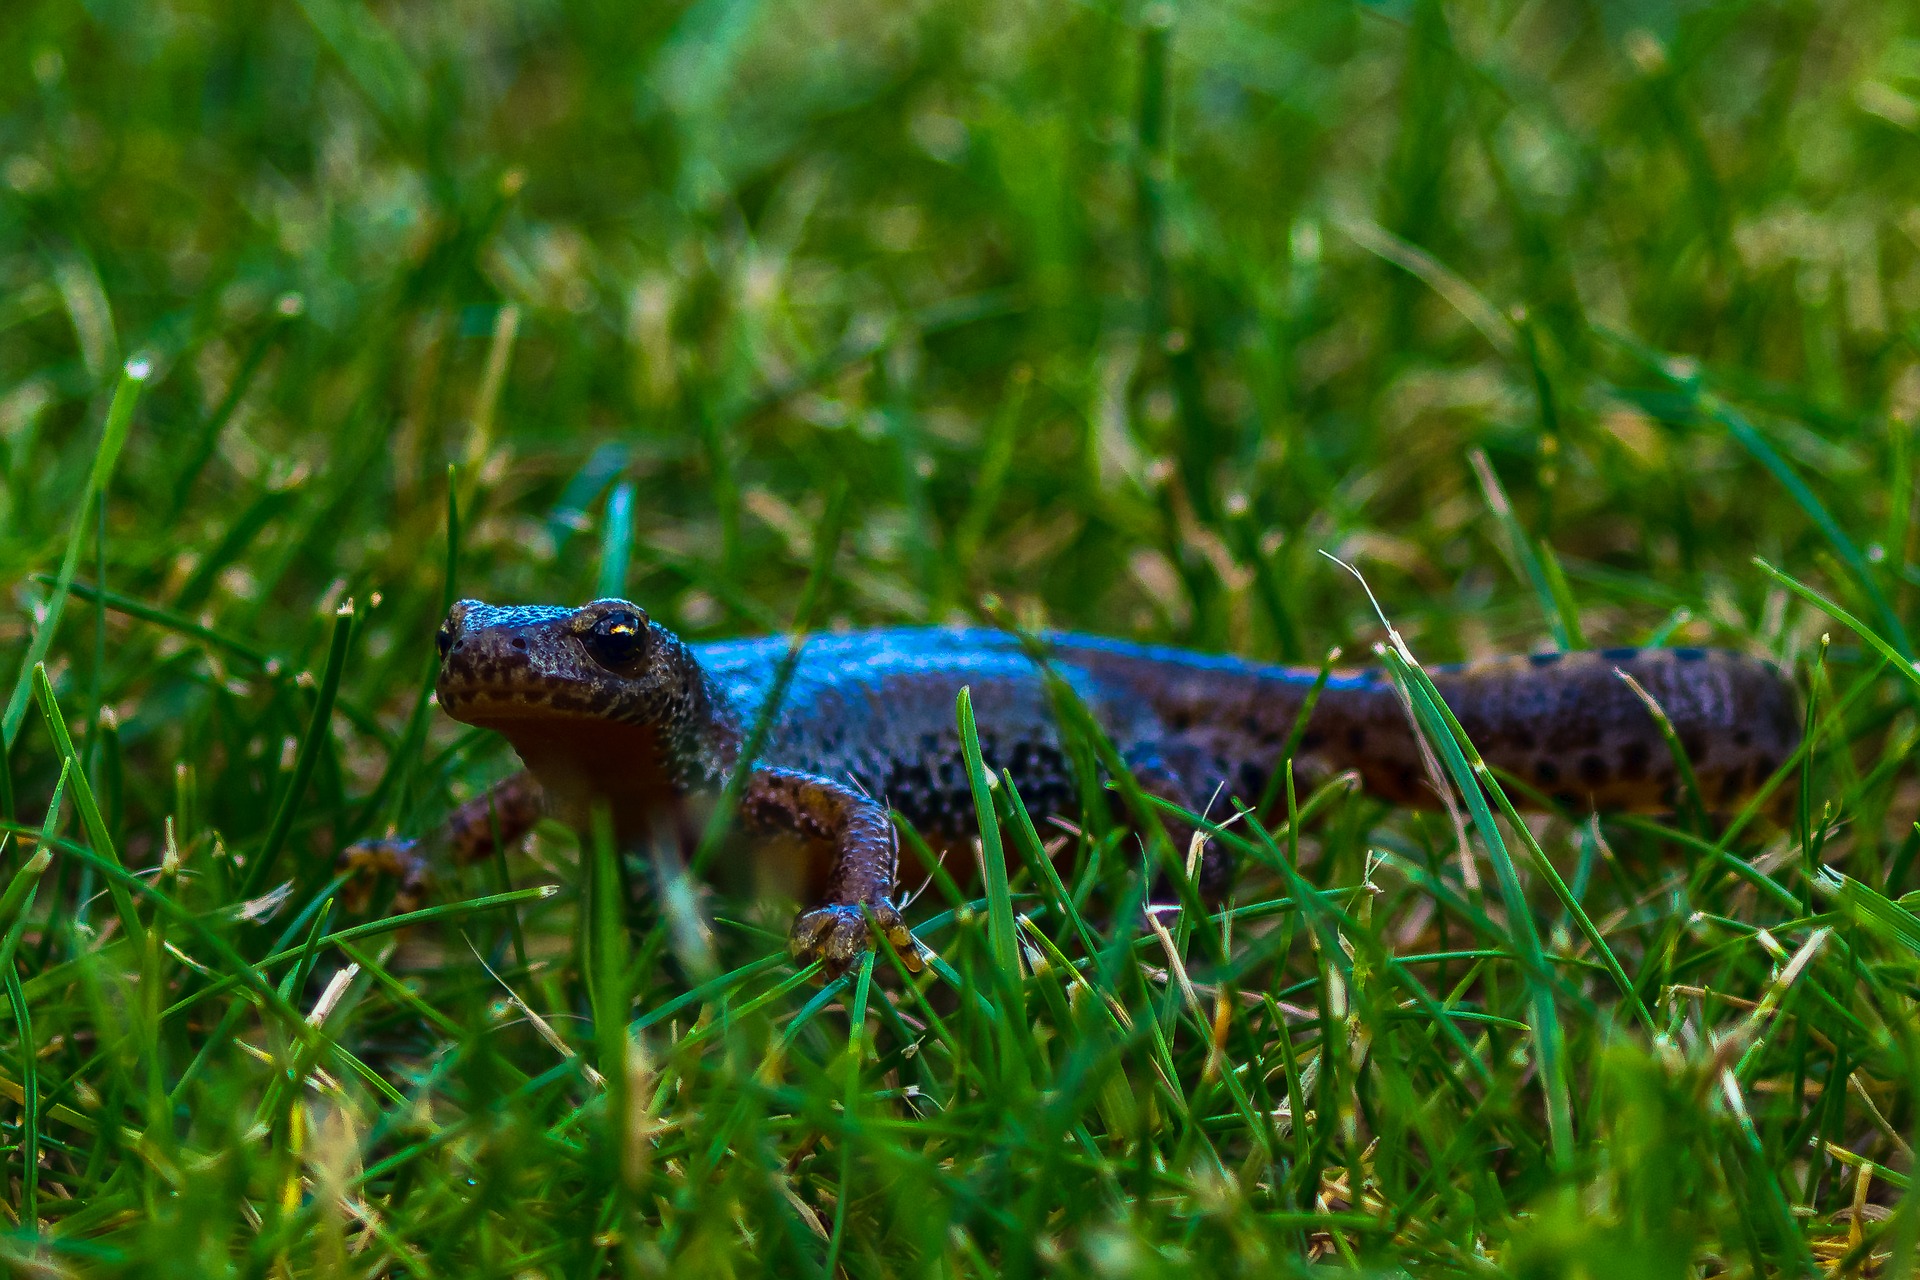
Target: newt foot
836 935
367 862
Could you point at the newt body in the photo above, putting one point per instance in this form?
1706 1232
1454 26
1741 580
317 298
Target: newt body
604 705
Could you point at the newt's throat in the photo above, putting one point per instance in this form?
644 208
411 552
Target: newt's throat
580 761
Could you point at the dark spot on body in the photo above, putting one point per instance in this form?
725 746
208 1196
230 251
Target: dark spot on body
1409 781
1763 767
1742 738
1593 770
1620 655
1695 744
1522 738
1566 799
1356 739
1544 659
1312 740
1689 655
1583 736
1633 761
911 786
1546 772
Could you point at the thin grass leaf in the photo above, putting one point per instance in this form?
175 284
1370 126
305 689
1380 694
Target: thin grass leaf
319 728
1002 939
1887 918
1547 1035
167 619
1271 794
1718 410
616 542
1520 548
1689 785
1436 275
1034 853
126 398
84 803
1902 666
289 308
404 762
856 1052
1688 378
29 1097
826 548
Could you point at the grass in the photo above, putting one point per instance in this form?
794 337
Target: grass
1563 323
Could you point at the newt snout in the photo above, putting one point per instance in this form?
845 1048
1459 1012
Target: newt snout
606 707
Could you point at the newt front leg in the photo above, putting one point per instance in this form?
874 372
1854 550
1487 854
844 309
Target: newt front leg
497 818
860 879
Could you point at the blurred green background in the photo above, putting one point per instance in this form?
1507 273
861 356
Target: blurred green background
1121 312
1547 315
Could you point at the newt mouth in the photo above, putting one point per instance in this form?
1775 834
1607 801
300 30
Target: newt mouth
490 709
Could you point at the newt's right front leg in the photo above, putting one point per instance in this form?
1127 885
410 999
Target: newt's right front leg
497 818
860 881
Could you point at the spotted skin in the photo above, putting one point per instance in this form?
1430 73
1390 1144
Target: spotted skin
604 705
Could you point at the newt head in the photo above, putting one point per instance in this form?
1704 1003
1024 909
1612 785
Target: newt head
502 667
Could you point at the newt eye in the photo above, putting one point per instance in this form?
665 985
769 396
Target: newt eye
443 640
616 639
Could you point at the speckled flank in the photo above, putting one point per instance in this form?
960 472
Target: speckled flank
868 723
1567 725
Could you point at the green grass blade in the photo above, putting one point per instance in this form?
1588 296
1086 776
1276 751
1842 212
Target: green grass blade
392 791
1526 558
1548 1039
29 1097
319 727
1034 852
83 800
607 972
289 308
1901 666
1002 939
17 903
1271 795
856 1053
1689 784
170 621
826 548
126 398
1754 443
1886 917
616 542
1686 376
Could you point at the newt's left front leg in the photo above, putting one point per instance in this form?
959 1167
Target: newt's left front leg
505 812
860 880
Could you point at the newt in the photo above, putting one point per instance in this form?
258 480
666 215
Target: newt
605 706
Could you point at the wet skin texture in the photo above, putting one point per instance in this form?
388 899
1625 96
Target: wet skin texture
605 706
